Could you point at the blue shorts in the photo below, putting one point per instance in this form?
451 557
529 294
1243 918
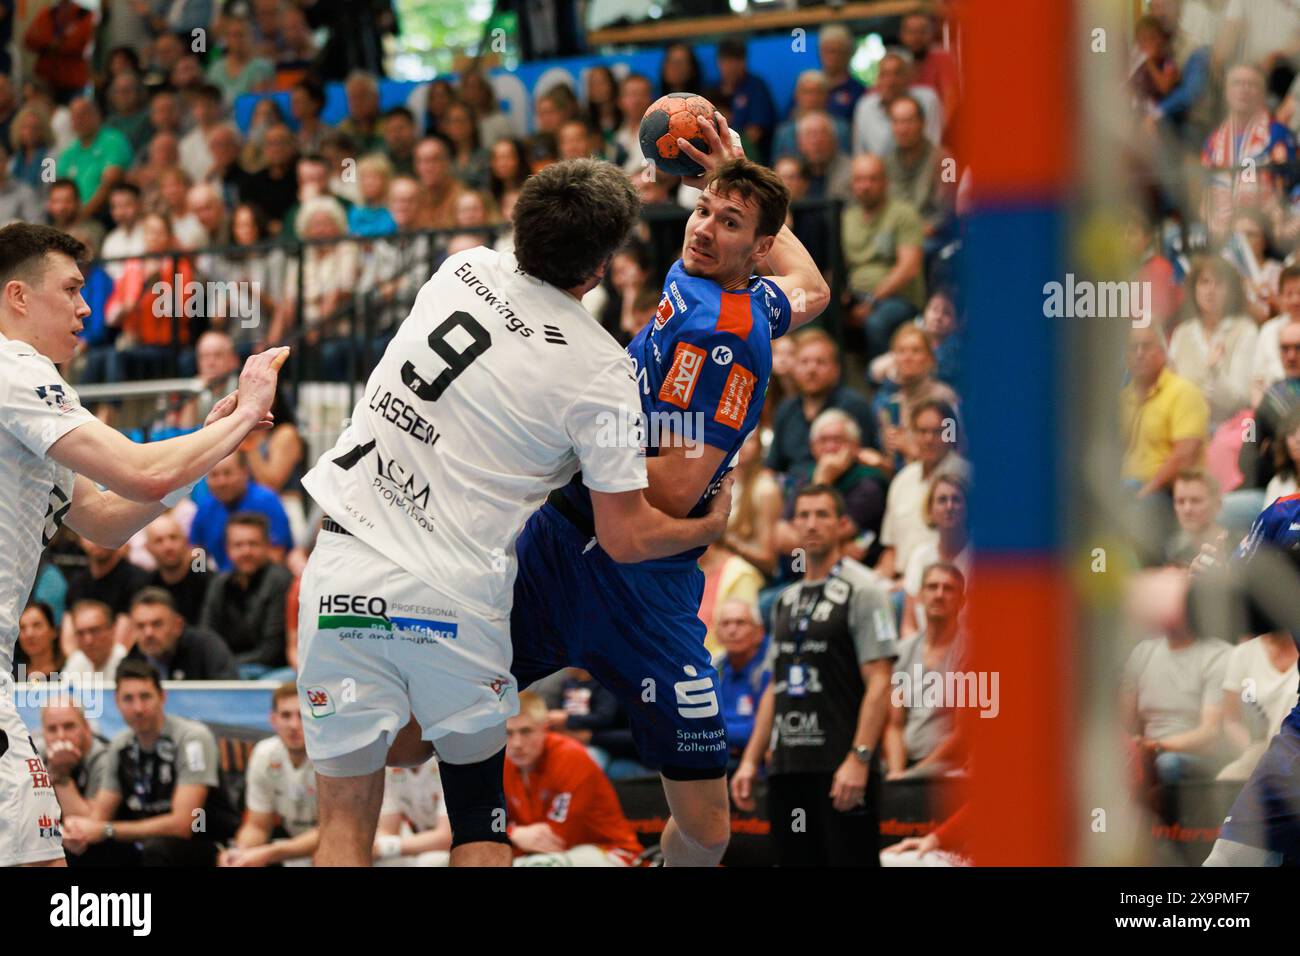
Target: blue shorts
1266 814
636 629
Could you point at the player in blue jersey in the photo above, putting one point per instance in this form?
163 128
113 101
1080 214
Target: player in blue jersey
1262 827
702 369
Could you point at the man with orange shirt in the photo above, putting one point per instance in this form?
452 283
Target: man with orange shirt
563 811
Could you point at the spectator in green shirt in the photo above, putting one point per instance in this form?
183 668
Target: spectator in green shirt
97 159
882 240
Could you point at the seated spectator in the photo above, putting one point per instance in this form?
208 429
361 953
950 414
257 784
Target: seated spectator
238 71
37 655
173 201
207 206
591 715
414 829
919 736
1267 367
1286 460
1164 421
204 108
397 265
330 271
635 298
835 50
1258 267
916 167
313 180
32 143
1156 271
1171 701
872 131
575 140
126 238
1196 506
176 571
96 654
910 365
306 101
554 108
826 168
274 187
259 272
165 114
838 455
507 167
600 103
562 809
469 160
1215 348
276 461
217 364
245 605
362 122
742 674
177 650
1247 159
77 759
18 200
493 125
226 174
679 71
152 330
1157 75
161 770
817 381
811 95
127 111
744 98
945 512
756 508
882 240
231 490
635 94
439 189
109 577
371 217
60 35
727 576
932 67
266 114
438 97
63 207
400 134
904 529
1259 684
279 794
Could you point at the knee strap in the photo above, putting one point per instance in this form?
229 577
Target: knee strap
476 800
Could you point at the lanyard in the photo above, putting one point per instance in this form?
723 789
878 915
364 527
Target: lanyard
804 616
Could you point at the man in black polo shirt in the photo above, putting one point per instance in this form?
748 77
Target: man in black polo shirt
832 650
246 605
817 377
161 788
176 572
180 652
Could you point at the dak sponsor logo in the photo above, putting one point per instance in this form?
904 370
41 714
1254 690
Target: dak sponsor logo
47 827
318 699
679 384
733 406
696 698
55 397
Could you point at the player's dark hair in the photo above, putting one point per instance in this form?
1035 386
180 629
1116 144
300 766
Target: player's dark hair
754 183
811 491
23 248
153 595
250 519
570 218
133 668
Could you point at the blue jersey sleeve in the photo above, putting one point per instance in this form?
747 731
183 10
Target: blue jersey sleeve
776 305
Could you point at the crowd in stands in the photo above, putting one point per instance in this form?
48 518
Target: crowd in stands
328 232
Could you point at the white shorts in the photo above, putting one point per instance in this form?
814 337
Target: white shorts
29 810
377 645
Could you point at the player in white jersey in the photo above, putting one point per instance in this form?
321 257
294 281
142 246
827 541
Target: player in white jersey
53 453
414 829
498 387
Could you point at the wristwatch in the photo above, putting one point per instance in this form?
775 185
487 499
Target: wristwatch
108 831
863 753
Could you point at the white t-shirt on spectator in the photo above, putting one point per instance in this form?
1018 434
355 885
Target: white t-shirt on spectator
872 131
415 793
1266 694
275 785
1174 687
79 667
196 158
1226 385
122 242
904 528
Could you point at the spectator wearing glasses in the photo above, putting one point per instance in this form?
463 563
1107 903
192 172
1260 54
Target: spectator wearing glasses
96 655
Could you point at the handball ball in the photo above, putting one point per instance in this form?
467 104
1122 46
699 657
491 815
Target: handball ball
671 116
